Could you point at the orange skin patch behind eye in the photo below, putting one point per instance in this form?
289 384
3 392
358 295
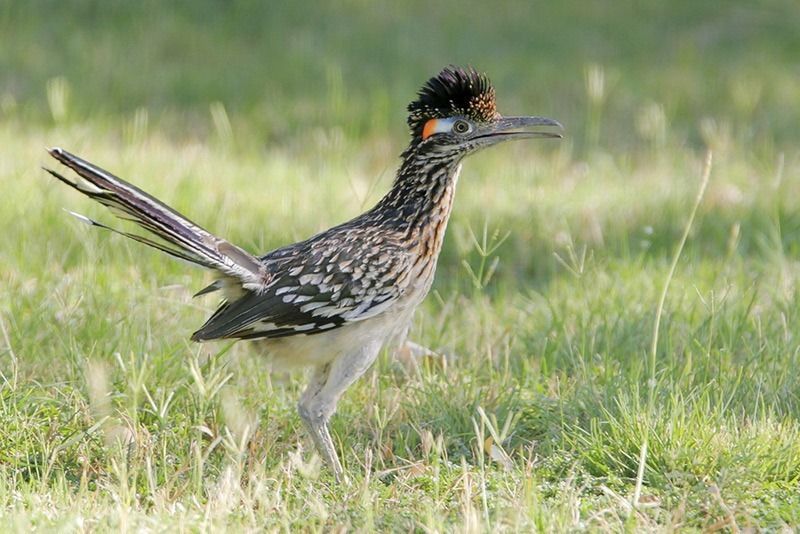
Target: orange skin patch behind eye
429 128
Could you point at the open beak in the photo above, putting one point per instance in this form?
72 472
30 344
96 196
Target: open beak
507 128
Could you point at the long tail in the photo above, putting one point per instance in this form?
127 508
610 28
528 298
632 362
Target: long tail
184 239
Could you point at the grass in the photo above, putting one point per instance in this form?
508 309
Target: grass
546 296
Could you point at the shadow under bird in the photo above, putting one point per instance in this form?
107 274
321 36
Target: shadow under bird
332 301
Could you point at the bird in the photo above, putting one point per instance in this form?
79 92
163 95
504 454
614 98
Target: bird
332 301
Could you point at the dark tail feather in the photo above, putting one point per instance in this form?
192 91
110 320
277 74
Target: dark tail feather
189 241
139 238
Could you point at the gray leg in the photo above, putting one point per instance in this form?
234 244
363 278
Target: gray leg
319 432
320 398
408 352
415 350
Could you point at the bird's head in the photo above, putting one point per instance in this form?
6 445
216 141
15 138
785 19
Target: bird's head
455 113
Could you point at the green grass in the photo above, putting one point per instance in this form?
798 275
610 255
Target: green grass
267 125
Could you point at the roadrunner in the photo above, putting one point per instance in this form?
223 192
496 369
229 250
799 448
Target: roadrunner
330 302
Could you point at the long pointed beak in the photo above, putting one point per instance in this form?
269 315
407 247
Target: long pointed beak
507 128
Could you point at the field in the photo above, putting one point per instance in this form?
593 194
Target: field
565 393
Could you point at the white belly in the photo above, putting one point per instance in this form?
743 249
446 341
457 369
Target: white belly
299 351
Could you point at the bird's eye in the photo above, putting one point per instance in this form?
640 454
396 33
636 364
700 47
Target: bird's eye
461 127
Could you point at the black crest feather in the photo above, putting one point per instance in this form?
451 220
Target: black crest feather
454 91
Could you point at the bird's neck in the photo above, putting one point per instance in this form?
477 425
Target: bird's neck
419 204
423 191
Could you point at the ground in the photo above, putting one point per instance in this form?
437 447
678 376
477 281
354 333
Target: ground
549 404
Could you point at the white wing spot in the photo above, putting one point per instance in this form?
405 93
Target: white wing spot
305 308
285 289
310 279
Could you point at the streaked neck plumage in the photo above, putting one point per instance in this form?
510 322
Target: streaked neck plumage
420 200
424 185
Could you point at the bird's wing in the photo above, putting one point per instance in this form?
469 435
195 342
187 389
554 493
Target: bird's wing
323 287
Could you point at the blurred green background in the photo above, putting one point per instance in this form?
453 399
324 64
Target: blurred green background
283 67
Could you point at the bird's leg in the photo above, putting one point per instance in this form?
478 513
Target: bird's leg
319 400
416 350
408 352
318 426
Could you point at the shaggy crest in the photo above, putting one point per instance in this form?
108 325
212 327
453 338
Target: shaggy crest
454 91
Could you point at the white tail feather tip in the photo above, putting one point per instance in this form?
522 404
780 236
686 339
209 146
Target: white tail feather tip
83 218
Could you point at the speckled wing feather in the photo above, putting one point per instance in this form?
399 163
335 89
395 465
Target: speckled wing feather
343 276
